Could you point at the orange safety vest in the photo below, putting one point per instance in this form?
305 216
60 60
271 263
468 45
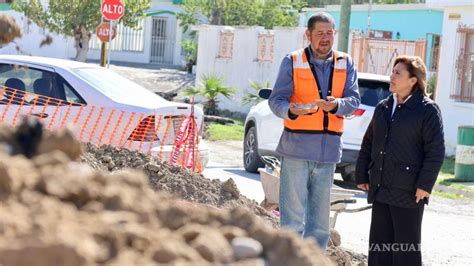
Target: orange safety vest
306 91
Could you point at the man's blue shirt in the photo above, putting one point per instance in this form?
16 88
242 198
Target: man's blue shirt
322 148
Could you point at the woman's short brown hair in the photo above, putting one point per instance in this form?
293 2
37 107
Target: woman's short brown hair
416 68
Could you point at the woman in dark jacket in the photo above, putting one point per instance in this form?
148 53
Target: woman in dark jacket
401 155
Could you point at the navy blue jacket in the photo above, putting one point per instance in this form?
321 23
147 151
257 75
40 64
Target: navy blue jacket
403 152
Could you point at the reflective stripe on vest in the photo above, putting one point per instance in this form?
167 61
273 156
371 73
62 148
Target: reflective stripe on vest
306 91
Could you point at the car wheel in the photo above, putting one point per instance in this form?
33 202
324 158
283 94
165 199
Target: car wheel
252 160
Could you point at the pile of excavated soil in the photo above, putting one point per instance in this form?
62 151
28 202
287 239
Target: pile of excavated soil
175 180
54 210
57 211
42 195
197 188
9 30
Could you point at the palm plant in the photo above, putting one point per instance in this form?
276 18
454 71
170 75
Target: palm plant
211 87
252 97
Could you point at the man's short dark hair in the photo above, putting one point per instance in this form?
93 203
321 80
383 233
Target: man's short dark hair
320 17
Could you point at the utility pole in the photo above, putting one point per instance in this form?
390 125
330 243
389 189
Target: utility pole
343 39
368 19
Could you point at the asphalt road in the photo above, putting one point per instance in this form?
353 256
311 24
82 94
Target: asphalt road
448 225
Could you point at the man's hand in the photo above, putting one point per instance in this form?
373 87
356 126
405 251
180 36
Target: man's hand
364 186
327 105
421 194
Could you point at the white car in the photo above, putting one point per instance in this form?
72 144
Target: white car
263 129
99 105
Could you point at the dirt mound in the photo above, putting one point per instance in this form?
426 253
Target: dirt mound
175 180
29 139
196 188
9 30
56 210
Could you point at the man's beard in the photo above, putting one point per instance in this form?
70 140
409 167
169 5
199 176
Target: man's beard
319 53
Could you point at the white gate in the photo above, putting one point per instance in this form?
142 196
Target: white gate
163 33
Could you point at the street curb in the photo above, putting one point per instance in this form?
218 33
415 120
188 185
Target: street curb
465 193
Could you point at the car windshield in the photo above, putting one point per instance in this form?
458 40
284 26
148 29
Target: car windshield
113 85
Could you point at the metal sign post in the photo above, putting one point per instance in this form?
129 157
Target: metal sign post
113 11
110 44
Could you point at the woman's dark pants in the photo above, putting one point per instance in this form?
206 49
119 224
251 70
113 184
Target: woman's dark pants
395 235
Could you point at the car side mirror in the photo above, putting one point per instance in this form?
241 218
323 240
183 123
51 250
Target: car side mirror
264 93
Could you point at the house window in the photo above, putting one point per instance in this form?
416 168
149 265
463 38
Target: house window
463 89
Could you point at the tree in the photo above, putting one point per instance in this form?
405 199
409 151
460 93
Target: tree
322 3
190 50
77 18
277 13
192 9
212 86
267 13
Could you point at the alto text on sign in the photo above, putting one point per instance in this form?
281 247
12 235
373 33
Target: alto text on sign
112 9
103 32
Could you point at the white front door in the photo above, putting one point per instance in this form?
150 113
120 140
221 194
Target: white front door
163 35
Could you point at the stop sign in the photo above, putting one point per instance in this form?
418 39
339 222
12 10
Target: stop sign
112 9
103 32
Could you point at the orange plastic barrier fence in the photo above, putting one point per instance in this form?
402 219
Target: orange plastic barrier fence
160 135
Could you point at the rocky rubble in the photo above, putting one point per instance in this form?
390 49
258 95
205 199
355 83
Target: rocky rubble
195 187
57 211
9 30
56 149
175 180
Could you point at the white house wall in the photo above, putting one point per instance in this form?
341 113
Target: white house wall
29 43
178 59
455 114
444 3
63 47
243 66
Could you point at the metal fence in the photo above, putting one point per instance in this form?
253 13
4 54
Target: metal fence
169 137
463 89
433 45
377 55
127 39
